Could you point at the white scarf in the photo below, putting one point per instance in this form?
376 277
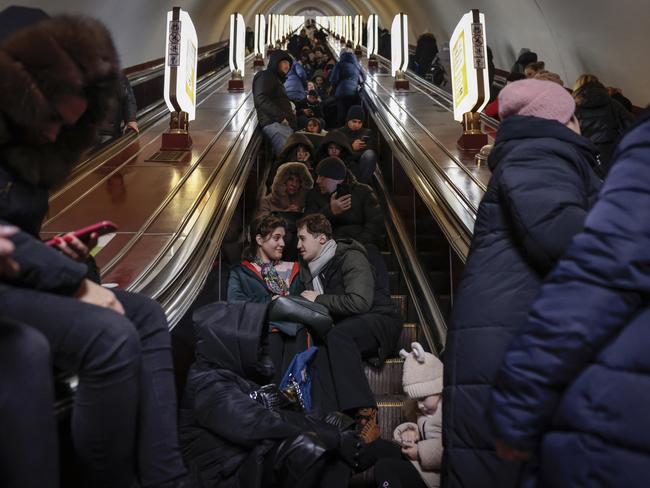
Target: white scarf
316 266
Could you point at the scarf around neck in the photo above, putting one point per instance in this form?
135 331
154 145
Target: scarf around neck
317 265
273 281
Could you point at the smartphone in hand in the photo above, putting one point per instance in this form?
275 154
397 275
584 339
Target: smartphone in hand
84 234
342 189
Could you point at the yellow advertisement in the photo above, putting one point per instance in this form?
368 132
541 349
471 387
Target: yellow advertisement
190 74
459 76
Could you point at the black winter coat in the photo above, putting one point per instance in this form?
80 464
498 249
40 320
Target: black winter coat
371 139
337 137
541 189
602 119
351 289
271 101
225 434
364 222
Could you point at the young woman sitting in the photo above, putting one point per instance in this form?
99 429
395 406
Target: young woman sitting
261 277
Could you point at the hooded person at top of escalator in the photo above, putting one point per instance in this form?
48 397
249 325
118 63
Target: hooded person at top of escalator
274 110
232 433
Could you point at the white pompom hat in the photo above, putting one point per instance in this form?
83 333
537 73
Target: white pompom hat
422 375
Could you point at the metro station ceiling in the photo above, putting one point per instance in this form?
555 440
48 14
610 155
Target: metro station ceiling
604 37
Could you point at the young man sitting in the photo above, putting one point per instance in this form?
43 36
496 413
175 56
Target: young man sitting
337 274
362 141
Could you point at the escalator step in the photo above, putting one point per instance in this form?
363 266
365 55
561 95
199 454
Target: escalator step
390 260
386 380
401 302
409 335
391 413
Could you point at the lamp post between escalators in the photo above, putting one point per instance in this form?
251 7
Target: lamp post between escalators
470 80
373 42
400 51
181 49
260 38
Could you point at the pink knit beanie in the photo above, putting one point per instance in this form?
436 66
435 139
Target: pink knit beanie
537 98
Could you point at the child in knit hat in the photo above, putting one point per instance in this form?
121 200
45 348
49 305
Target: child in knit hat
421 442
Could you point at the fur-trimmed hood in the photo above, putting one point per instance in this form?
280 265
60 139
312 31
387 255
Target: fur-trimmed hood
43 68
278 200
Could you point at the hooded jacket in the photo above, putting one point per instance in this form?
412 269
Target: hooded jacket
541 189
347 75
42 66
602 119
296 82
574 387
269 95
339 138
225 434
288 154
364 222
278 200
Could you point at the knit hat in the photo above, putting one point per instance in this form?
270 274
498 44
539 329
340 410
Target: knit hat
355 112
422 375
333 168
537 98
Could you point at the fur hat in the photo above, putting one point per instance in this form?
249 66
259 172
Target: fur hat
45 69
537 98
422 375
333 168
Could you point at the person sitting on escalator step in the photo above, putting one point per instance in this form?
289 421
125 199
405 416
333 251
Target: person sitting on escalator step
363 143
338 275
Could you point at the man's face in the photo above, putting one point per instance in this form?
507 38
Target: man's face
309 246
355 124
312 99
327 185
292 185
284 66
333 150
319 80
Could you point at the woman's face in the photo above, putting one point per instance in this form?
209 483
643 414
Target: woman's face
333 150
292 185
313 127
270 247
302 154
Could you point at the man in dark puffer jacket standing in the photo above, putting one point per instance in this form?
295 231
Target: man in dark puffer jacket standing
274 111
574 388
541 189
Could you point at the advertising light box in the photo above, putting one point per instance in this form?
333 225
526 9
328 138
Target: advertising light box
181 54
469 73
260 35
399 44
237 49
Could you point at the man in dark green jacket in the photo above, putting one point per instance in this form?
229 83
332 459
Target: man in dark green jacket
338 275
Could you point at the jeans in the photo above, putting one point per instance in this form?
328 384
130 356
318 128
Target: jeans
28 451
277 134
367 164
124 414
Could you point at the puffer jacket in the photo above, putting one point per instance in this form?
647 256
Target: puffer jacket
271 101
296 82
351 289
574 388
371 144
364 222
602 119
278 200
541 189
224 434
346 75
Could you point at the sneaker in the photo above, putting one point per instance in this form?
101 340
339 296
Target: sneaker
367 425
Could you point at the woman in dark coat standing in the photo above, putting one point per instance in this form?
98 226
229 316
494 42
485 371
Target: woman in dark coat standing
602 119
541 189
574 389
261 276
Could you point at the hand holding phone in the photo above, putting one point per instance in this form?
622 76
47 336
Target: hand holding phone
78 244
86 233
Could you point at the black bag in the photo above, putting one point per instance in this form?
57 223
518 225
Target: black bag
313 315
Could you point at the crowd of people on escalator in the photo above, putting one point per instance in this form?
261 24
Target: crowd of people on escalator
545 374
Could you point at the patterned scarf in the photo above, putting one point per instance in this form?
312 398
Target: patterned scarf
273 281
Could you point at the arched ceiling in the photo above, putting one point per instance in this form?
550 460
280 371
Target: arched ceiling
603 37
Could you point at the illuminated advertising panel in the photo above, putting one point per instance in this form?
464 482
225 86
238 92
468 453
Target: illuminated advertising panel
469 73
373 35
181 55
260 35
237 48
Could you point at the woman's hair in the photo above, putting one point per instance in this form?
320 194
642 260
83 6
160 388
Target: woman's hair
263 226
316 225
583 80
536 66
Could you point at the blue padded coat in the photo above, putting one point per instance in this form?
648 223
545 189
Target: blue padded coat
541 188
575 385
